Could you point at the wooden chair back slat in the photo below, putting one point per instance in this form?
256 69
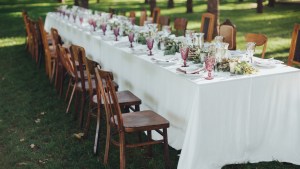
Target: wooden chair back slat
180 25
259 39
143 17
207 26
228 31
155 14
294 56
46 47
163 20
132 14
109 97
66 60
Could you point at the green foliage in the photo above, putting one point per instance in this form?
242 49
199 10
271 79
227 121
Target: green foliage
171 47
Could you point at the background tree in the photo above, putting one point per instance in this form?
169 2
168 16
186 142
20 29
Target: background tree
152 5
76 2
170 3
146 1
271 3
82 3
213 7
260 6
189 6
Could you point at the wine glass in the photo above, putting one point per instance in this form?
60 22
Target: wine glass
103 27
209 66
116 32
81 20
131 38
74 17
184 51
150 42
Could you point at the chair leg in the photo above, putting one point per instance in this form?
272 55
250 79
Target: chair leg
107 144
149 135
166 149
69 85
137 108
97 131
122 151
57 73
52 73
81 109
61 84
71 98
76 102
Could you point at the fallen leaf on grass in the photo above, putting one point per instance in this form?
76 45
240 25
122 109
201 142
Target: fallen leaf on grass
22 163
22 139
42 162
32 146
79 135
37 120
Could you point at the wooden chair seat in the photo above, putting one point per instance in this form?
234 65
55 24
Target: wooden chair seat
86 85
142 121
125 98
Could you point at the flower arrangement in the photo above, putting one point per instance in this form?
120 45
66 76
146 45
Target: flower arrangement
236 66
114 23
171 47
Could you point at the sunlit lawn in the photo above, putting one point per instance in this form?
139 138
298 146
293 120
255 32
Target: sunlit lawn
25 91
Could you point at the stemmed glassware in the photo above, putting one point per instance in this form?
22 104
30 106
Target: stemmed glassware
116 32
184 51
92 22
103 27
209 66
250 47
131 38
150 42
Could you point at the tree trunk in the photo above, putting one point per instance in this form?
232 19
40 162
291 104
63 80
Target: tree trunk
61 1
85 4
146 1
271 3
170 3
260 7
76 2
213 7
152 6
189 6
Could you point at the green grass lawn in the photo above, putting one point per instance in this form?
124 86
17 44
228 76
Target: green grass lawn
26 95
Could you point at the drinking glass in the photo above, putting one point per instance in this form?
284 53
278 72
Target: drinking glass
150 42
209 66
250 47
184 51
103 27
116 32
131 38
166 29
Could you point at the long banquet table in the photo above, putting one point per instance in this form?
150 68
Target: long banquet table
231 119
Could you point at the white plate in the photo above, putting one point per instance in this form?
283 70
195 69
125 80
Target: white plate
189 70
265 63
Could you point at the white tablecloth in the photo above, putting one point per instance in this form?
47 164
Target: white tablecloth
230 119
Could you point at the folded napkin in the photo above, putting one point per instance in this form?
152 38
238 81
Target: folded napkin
187 70
159 59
